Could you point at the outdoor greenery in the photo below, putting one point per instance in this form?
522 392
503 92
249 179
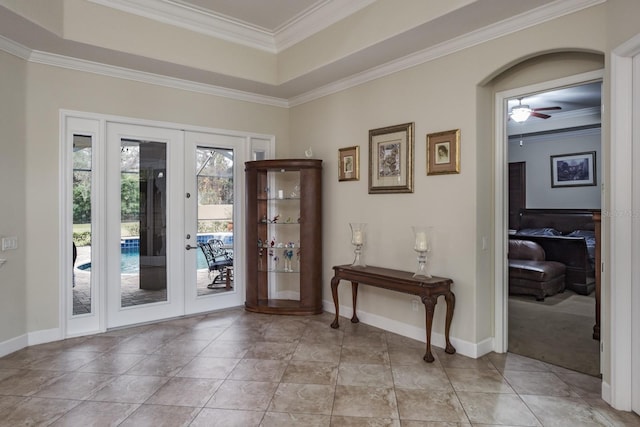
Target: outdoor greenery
214 178
214 226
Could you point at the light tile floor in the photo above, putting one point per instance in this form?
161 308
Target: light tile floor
235 368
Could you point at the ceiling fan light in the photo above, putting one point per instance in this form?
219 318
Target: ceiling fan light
520 113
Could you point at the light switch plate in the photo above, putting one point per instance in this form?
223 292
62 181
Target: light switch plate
9 243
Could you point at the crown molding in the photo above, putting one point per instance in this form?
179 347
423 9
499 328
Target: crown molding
535 17
491 32
150 78
553 134
15 49
197 20
316 20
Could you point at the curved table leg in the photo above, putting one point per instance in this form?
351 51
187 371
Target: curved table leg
334 292
450 298
429 306
354 297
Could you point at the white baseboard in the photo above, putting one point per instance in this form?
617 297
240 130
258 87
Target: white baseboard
464 348
12 345
41 337
605 392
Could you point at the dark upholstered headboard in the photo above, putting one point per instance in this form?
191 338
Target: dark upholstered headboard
563 220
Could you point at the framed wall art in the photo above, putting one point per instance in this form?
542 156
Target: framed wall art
573 170
443 152
391 159
349 163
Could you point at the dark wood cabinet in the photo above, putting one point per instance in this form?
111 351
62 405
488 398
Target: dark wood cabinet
284 236
517 193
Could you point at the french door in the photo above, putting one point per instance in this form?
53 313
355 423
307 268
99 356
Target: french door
140 201
213 204
144 224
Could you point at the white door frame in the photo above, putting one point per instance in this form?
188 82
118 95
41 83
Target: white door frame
501 208
624 228
257 146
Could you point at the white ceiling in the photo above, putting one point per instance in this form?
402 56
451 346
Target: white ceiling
579 106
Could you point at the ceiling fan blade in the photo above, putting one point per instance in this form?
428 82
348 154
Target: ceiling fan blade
540 115
547 108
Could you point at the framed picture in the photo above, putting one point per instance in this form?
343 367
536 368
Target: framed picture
573 170
391 159
443 152
349 163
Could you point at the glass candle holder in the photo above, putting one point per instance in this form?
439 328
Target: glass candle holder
422 245
357 240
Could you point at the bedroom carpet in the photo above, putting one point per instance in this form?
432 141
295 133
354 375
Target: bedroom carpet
558 330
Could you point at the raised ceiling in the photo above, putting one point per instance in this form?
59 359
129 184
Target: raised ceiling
270 16
272 27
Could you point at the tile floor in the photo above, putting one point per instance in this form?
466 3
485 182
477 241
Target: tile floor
235 368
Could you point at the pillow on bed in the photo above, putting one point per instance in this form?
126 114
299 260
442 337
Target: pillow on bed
539 232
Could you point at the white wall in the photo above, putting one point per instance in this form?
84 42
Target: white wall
536 151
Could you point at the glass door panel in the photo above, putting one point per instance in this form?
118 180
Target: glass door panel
82 197
214 178
143 219
211 258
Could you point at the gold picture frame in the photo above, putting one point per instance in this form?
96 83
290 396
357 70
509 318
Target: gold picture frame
349 163
391 159
443 152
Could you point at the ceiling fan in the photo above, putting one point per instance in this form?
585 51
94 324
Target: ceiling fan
522 112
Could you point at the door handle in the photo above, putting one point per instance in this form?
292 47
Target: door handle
188 247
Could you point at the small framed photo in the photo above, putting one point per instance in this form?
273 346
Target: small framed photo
349 163
391 159
443 152
573 170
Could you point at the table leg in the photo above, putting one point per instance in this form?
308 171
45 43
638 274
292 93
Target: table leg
450 298
354 297
334 292
228 278
429 308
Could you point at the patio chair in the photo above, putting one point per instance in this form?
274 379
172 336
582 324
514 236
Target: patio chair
73 265
220 261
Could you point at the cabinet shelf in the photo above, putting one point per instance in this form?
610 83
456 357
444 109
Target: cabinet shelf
294 221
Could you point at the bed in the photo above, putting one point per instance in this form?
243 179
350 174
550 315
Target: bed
567 236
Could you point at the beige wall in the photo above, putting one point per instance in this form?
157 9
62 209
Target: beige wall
51 89
13 194
437 96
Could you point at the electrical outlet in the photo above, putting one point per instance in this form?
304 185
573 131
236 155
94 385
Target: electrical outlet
9 243
415 305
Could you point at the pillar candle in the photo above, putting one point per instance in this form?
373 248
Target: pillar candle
421 241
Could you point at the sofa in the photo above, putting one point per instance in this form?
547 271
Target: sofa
530 273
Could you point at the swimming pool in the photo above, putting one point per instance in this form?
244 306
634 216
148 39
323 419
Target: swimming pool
130 261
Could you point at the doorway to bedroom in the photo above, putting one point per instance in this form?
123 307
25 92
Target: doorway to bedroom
554 176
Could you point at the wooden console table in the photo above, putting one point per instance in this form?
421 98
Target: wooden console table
402 281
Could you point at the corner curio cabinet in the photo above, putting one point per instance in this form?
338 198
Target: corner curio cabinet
284 236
